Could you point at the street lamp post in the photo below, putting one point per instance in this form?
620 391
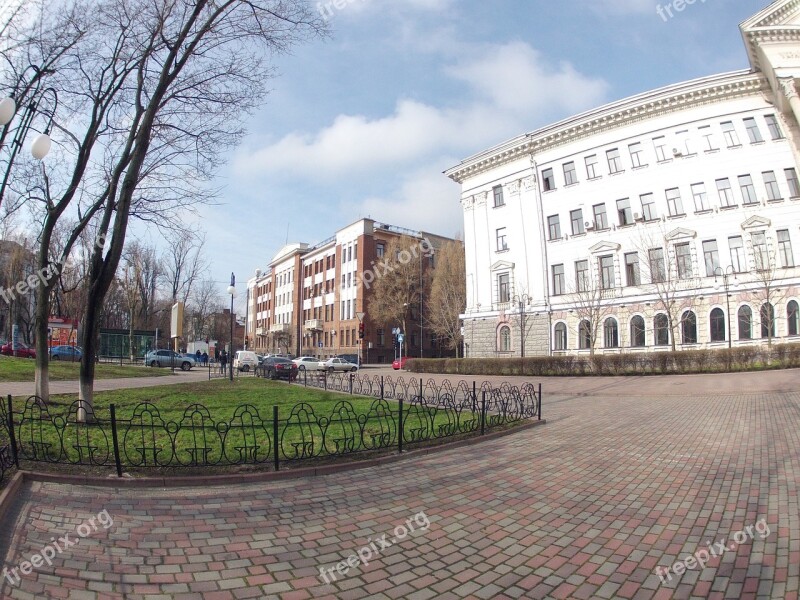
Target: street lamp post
725 275
522 301
232 292
8 110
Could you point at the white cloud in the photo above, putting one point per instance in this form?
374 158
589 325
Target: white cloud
621 7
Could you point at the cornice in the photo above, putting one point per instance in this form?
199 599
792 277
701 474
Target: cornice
638 108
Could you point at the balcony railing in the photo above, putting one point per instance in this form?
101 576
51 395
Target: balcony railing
280 328
314 325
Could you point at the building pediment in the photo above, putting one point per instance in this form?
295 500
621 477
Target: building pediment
756 222
604 246
681 233
502 265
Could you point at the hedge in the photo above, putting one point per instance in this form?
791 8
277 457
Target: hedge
743 358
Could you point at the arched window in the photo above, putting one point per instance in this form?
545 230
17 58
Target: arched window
745 318
561 336
767 321
717 325
504 339
793 318
638 339
661 330
688 328
584 335
611 333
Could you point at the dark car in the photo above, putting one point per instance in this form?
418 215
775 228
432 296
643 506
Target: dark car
274 367
21 351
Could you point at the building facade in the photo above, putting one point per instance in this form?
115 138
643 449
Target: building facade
311 300
666 220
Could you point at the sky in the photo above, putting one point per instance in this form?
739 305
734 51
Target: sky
363 124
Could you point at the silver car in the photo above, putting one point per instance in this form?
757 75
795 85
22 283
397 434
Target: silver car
337 364
168 358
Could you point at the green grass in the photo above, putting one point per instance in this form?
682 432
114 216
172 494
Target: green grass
22 369
250 431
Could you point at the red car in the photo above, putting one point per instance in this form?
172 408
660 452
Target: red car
22 351
399 363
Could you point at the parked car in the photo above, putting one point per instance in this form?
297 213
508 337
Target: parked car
168 358
72 353
244 360
399 363
310 363
22 350
337 364
351 358
275 367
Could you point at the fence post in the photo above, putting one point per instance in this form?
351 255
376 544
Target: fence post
474 396
115 438
483 412
11 436
275 444
381 387
400 428
305 377
351 383
420 388
325 379
540 401
209 370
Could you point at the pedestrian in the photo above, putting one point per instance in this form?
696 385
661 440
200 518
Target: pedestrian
204 358
198 356
223 359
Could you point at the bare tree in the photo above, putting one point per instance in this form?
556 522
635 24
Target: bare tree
448 297
204 302
593 302
769 290
182 263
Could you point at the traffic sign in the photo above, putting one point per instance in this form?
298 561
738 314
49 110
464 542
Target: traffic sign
400 338
319 344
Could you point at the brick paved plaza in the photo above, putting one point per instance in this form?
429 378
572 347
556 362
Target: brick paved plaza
619 481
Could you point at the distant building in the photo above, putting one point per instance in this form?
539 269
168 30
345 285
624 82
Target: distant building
692 186
308 299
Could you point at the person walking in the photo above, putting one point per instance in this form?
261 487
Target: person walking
223 362
204 359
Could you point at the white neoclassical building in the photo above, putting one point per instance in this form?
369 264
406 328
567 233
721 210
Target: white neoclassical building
668 219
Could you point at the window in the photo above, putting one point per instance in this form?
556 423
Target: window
584 335
658 273
591 167
632 268
785 248
767 321
606 272
684 143
614 161
570 175
624 212
748 191
503 288
745 318
554 226
660 143
700 197
504 339
498 196
611 333
711 256
638 338
760 255
689 328
636 152
773 193
558 280
600 218
725 193
674 202
576 218
381 337
502 243
791 180
548 180
649 211
683 256
717 325
729 133
380 248
737 253
752 131
792 318
560 337
774 128
349 253
708 139
661 330
582 275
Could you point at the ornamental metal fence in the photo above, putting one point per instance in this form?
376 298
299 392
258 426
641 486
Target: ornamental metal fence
7 462
390 416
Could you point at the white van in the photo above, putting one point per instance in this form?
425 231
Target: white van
245 360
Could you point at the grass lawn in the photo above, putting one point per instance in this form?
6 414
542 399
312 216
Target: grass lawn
312 423
22 369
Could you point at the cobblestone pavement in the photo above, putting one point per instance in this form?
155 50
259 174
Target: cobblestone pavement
587 506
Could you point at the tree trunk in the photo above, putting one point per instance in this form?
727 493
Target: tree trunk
42 349
88 340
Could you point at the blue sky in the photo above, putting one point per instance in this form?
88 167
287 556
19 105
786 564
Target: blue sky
363 124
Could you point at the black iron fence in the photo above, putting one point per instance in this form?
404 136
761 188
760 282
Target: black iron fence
396 417
7 462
